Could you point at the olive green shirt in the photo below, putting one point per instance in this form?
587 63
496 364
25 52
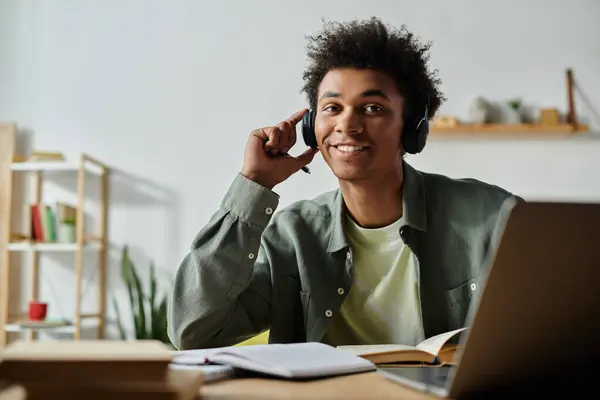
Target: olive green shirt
250 269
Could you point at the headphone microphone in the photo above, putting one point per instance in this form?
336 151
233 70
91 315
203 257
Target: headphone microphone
414 136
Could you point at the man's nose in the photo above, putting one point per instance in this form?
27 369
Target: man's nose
350 123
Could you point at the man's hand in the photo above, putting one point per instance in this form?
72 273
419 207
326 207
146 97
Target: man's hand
263 159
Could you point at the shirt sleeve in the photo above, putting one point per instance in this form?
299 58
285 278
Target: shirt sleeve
222 290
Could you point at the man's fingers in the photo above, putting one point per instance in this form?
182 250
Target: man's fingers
288 136
269 137
281 138
288 129
273 137
291 135
297 117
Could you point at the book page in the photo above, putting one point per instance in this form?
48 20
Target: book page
434 344
210 372
294 360
194 357
361 350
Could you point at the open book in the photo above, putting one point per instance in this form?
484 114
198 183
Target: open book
292 361
439 349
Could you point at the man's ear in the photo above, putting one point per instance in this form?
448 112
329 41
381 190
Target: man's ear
402 151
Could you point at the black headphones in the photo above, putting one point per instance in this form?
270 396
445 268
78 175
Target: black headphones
414 136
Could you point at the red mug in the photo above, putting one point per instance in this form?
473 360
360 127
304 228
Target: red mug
37 311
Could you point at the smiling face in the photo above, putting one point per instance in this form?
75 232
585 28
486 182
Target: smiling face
358 123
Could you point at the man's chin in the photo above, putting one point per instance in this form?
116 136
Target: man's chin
350 174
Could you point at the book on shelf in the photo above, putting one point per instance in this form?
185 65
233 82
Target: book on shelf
40 156
436 350
53 224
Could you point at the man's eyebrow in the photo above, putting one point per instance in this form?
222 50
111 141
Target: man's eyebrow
374 92
329 94
366 93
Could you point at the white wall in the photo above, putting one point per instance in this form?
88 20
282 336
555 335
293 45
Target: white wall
167 91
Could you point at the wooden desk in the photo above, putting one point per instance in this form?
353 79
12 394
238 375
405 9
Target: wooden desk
368 385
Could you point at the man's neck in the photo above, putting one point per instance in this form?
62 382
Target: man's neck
374 203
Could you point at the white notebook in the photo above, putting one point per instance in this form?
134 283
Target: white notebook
293 361
210 373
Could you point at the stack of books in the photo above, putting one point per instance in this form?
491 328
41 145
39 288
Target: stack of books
96 369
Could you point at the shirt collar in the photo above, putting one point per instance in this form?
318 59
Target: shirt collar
413 206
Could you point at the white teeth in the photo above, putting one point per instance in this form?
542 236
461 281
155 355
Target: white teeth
349 149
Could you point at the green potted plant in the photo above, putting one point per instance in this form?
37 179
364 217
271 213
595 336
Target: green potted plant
149 314
515 104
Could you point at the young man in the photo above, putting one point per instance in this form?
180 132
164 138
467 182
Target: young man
393 256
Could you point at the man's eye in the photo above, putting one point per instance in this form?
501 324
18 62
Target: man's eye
373 109
331 108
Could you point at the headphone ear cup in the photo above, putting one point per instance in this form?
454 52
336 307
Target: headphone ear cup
414 141
408 140
422 134
308 129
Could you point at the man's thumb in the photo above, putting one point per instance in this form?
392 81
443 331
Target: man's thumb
306 157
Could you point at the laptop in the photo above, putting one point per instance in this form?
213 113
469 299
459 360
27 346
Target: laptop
536 323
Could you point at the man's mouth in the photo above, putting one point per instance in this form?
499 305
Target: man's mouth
349 149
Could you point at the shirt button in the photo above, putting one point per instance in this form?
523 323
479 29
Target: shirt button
341 290
328 313
473 286
269 210
348 255
251 256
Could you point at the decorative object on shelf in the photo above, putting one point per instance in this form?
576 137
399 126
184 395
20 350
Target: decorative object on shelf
514 118
549 117
37 156
571 114
479 111
17 158
525 113
515 104
67 223
53 227
37 310
484 111
149 314
445 121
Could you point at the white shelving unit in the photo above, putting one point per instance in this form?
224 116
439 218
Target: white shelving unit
51 247
84 241
93 167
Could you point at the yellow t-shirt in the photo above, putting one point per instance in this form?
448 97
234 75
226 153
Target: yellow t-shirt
382 305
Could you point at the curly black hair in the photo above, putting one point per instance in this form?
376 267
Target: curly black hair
371 44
